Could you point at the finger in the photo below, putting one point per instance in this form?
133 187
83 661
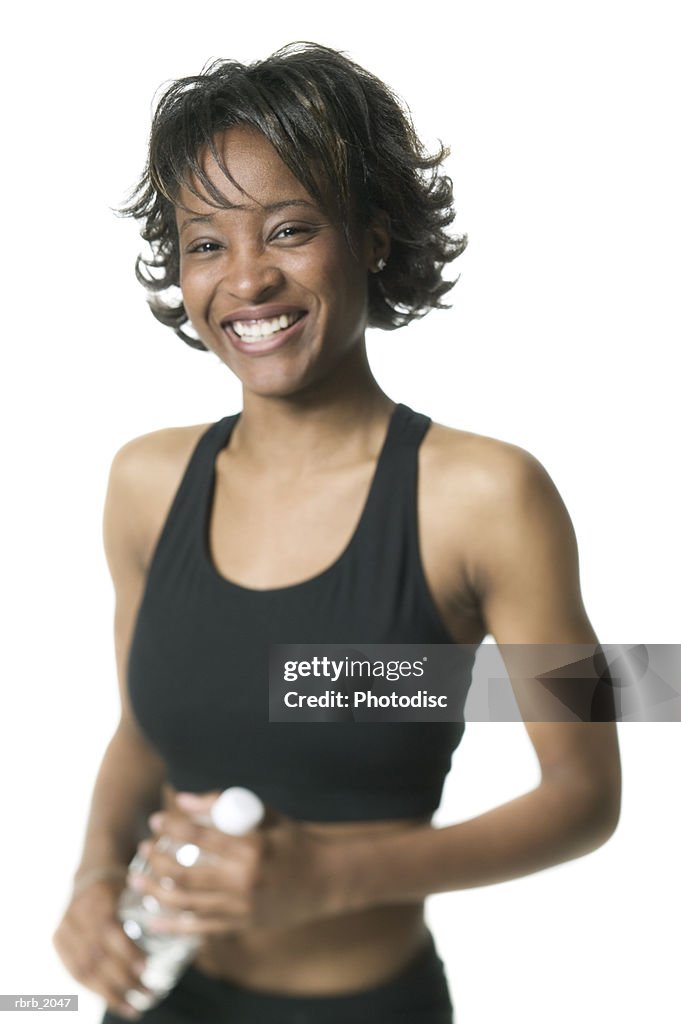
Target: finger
175 825
122 1009
129 1004
91 965
193 924
196 803
215 900
201 805
112 957
220 873
209 840
118 984
120 946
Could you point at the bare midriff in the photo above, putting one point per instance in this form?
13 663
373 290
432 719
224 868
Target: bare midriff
337 954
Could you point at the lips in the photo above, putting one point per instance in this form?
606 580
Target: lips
254 330
252 314
263 328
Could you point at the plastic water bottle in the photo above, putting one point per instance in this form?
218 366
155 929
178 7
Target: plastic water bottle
235 812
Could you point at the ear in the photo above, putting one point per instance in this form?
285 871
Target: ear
377 241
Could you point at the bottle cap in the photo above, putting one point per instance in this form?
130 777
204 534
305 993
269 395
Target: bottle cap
237 811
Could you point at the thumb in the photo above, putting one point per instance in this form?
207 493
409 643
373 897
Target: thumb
196 803
199 805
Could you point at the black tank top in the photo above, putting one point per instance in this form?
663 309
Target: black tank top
199 657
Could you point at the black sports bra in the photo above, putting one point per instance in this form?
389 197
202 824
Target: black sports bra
199 657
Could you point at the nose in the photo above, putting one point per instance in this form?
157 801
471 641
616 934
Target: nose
251 276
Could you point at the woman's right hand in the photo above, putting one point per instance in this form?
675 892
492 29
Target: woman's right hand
94 948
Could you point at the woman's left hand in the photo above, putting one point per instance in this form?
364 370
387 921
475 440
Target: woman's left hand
278 875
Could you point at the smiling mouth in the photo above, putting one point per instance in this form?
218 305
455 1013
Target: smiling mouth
258 330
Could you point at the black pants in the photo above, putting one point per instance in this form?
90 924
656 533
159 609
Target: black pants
419 995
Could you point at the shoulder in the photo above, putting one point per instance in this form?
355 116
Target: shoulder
501 497
157 448
487 469
143 479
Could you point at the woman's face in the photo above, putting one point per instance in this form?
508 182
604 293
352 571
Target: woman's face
269 282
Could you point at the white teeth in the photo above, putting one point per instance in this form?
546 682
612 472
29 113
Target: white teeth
253 330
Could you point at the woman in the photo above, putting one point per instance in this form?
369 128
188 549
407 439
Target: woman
293 205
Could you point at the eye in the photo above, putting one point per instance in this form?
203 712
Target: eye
291 231
203 247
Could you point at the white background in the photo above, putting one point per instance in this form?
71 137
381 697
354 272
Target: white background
563 123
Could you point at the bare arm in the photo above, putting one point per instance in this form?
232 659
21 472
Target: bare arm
127 788
524 563
89 938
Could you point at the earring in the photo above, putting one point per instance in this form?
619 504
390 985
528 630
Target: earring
382 264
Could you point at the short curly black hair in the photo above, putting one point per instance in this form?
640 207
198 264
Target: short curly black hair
324 115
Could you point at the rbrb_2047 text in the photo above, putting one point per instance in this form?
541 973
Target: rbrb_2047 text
333 669
364 698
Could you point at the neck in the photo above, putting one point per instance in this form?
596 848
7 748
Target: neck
345 413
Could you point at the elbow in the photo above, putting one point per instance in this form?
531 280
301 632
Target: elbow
608 800
589 810
606 820
600 812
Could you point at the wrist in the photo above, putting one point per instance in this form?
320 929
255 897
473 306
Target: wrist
338 869
354 869
381 870
83 879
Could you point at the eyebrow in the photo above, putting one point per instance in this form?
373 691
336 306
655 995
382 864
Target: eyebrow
201 218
